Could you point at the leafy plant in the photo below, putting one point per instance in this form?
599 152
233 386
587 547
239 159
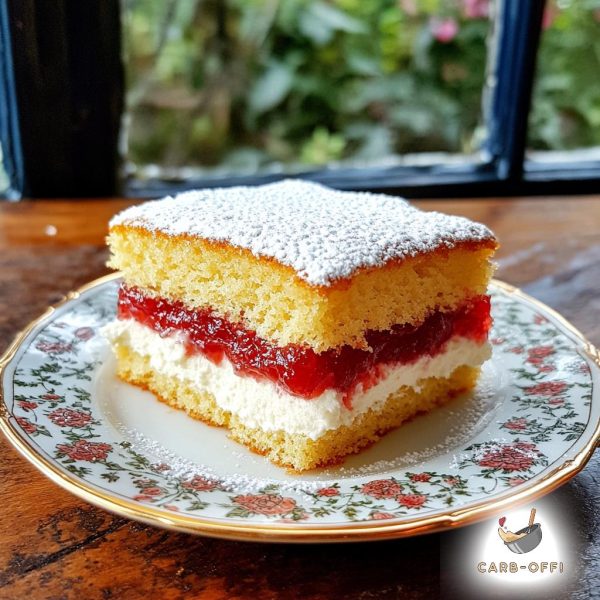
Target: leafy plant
244 85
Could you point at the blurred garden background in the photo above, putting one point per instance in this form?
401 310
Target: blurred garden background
221 87
244 86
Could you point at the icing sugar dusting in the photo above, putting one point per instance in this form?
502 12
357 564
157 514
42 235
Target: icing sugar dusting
323 234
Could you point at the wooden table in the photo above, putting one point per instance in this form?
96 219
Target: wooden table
55 546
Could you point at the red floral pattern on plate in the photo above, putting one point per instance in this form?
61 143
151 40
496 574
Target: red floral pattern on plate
328 492
420 476
67 417
26 425
514 457
85 450
54 347
516 481
538 354
546 388
26 405
84 333
200 484
516 424
412 500
266 504
382 488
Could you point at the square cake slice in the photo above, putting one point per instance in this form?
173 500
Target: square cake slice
307 321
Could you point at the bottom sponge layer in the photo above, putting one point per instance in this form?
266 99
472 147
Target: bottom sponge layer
296 451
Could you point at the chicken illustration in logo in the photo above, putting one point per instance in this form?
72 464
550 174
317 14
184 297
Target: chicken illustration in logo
524 540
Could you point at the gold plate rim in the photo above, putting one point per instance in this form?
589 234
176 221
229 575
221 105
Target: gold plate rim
368 531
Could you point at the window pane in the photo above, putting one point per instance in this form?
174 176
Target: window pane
566 100
246 86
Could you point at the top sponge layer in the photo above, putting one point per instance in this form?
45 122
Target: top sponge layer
324 235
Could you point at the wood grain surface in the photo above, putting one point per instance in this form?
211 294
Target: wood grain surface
54 546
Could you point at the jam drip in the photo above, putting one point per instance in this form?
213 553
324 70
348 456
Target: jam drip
298 369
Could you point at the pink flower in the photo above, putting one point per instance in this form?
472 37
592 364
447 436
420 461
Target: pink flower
26 425
85 450
54 347
476 9
516 424
26 405
266 504
382 488
50 397
514 457
547 369
550 13
556 402
200 484
516 350
84 333
66 417
539 320
546 388
443 30
412 500
420 477
329 491
151 491
142 498
382 515
451 480
171 507
497 341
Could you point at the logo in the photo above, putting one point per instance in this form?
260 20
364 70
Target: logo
525 548
523 541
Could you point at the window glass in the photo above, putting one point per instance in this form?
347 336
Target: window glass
565 114
247 86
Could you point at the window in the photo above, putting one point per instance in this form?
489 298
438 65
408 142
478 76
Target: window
564 124
223 88
422 98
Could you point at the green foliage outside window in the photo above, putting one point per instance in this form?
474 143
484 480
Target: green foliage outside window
242 85
566 99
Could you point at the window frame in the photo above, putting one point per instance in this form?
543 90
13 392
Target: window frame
503 168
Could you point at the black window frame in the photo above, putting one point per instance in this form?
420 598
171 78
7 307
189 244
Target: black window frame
94 89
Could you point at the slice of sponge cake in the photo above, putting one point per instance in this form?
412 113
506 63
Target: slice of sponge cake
306 320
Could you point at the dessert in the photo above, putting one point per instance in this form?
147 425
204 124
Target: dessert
307 321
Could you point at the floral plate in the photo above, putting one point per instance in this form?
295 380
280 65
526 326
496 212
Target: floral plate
530 425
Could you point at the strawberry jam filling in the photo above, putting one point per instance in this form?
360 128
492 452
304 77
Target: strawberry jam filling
298 369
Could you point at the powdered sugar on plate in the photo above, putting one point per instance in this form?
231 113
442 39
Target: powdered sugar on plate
323 234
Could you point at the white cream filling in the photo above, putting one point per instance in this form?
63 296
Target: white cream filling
265 405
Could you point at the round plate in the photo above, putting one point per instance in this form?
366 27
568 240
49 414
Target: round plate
530 425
